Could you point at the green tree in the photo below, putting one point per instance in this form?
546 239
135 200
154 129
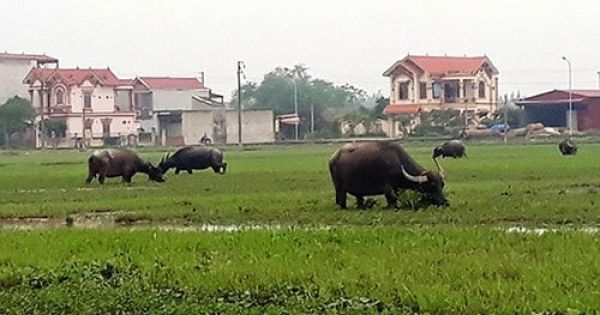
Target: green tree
15 115
276 92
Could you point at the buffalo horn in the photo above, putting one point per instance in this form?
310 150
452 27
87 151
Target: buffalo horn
417 179
439 167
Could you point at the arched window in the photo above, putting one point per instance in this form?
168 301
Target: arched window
60 96
481 89
403 91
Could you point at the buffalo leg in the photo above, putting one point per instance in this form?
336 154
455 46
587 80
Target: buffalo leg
177 170
391 197
340 198
360 202
189 171
101 178
127 179
90 177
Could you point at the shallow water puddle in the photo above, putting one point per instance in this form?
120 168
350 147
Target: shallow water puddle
107 220
542 231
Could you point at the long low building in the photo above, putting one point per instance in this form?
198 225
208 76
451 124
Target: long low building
552 108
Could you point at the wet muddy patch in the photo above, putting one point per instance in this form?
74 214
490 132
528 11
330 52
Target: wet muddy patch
539 231
61 163
126 220
585 188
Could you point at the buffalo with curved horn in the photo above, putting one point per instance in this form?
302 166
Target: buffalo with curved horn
194 158
124 163
382 168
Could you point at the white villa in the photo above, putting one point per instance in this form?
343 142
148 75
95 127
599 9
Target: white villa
440 82
92 98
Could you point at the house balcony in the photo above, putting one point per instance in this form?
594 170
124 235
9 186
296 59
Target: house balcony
55 110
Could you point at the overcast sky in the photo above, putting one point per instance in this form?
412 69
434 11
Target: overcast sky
341 41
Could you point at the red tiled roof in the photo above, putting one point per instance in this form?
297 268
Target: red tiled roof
585 93
38 58
402 109
444 65
104 77
169 83
550 102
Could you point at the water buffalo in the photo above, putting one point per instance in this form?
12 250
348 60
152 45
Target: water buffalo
567 147
452 148
125 163
194 158
375 168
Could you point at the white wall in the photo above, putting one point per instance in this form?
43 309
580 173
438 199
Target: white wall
103 98
257 126
172 100
195 124
12 73
124 125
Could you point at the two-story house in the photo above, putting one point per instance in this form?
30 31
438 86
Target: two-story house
424 83
14 67
164 102
94 99
183 111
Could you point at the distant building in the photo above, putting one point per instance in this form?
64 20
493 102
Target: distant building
552 108
14 67
181 111
94 99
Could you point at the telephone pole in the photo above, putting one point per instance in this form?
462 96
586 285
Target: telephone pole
505 119
240 66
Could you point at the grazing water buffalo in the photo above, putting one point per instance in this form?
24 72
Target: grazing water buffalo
194 158
375 168
125 163
452 148
567 147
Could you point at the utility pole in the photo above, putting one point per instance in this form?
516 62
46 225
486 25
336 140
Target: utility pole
570 98
240 66
505 119
312 118
83 123
296 105
42 109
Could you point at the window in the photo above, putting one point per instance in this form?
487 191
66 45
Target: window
106 126
481 90
403 91
87 100
422 90
60 97
88 123
450 91
437 90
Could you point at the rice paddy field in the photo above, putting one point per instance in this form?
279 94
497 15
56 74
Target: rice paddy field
521 236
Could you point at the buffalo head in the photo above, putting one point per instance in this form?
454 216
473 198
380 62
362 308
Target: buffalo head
154 173
163 166
431 185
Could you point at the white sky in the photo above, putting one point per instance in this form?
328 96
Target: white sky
341 41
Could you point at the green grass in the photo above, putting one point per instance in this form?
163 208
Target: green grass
455 260
497 184
428 270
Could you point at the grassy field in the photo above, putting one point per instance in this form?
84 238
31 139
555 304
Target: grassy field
315 258
291 186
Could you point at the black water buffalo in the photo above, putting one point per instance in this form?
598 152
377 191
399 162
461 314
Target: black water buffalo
194 158
375 168
452 148
567 147
125 163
